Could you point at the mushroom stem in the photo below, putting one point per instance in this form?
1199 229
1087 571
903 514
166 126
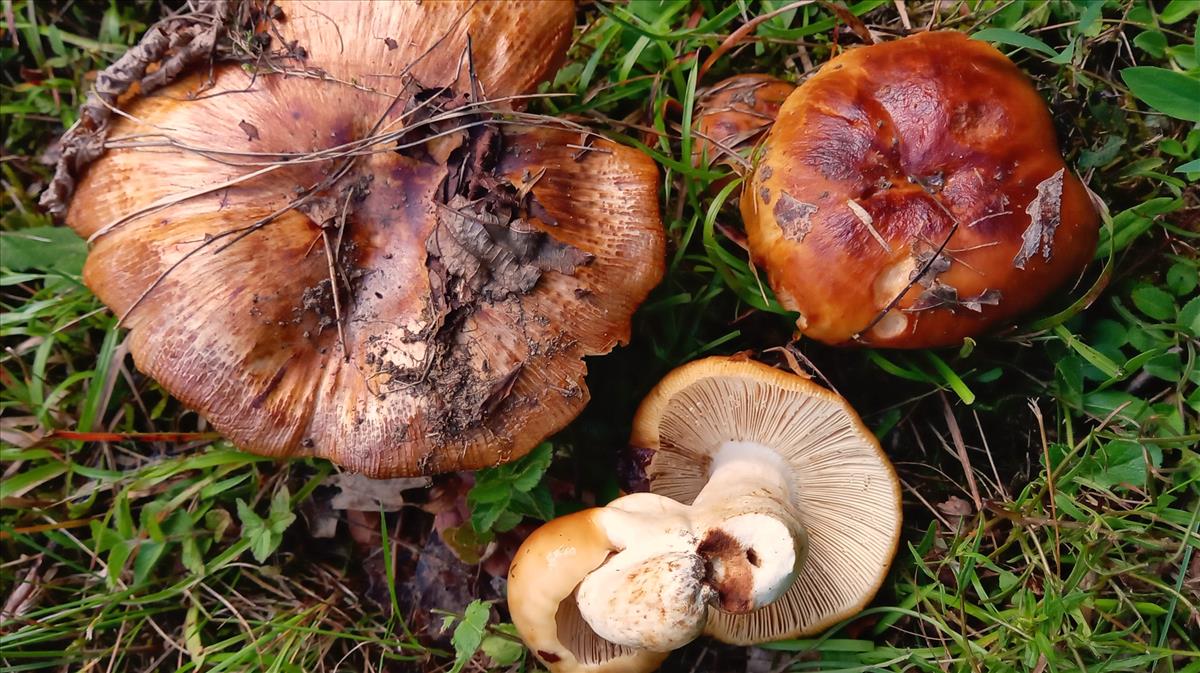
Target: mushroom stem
750 534
737 547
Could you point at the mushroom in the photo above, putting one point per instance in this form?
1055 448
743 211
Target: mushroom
734 114
912 194
358 247
772 513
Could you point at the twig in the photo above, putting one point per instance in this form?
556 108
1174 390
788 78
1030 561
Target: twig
1037 413
961 448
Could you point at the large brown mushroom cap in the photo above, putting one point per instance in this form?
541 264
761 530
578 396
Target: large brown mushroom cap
846 495
346 255
883 155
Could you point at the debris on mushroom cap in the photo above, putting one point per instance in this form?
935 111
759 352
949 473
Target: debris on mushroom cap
843 491
912 194
358 248
766 480
735 113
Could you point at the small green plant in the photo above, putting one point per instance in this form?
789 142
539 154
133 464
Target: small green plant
503 496
265 534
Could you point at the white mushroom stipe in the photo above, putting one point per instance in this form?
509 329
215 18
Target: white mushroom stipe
737 547
658 603
765 549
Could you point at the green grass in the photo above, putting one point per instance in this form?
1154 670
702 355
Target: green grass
1072 546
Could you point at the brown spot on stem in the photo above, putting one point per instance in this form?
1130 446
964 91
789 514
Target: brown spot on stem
728 571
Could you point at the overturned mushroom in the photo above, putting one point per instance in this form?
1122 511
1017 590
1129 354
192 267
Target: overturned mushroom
357 247
772 513
912 193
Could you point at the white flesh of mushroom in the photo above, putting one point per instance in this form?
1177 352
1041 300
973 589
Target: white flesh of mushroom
738 547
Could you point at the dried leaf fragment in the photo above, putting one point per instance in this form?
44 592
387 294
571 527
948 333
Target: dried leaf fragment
360 494
1045 214
941 295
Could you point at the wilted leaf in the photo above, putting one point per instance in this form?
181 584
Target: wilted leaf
360 493
192 636
440 581
1045 214
794 216
956 506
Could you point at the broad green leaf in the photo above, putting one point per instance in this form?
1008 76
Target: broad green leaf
118 556
537 503
1190 167
485 514
488 489
507 521
1177 10
1152 42
263 540
468 635
1171 93
42 249
1088 24
1107 152
1181 278
503 650
532 467
1189 317
281 515
1119 462
149 553
1014 39
1154 302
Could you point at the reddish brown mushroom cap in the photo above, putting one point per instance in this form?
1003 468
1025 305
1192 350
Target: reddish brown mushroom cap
349 255
735 113
927 163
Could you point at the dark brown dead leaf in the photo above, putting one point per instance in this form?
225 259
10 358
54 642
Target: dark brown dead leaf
942 295
391 43
956 506
1045 214
442 582
929 265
